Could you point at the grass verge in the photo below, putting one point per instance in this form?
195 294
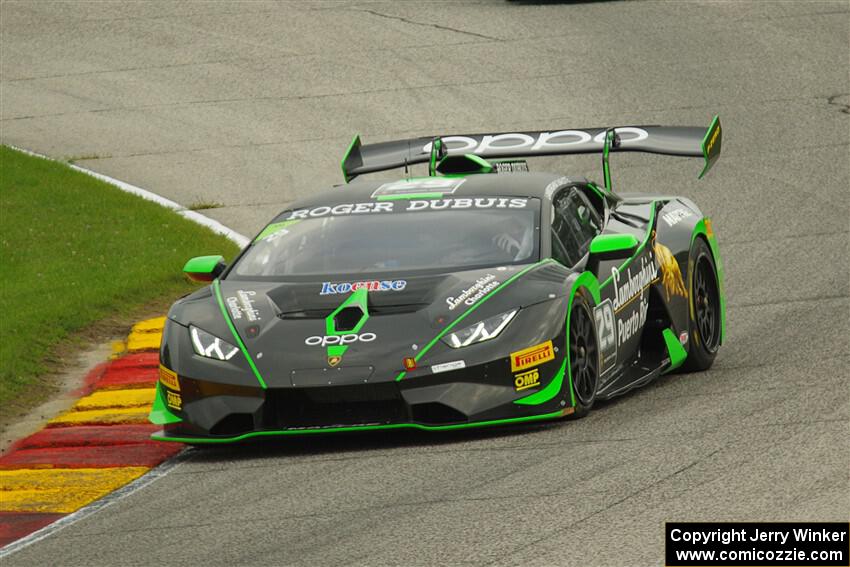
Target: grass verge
75 251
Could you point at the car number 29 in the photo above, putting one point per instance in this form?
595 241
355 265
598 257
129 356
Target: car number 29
606 330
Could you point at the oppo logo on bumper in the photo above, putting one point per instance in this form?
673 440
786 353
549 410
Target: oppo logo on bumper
339 339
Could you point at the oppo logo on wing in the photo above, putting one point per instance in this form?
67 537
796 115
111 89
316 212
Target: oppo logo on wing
339 339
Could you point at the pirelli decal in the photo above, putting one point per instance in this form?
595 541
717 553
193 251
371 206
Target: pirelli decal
168 378
532 356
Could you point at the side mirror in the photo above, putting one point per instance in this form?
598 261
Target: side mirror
606 246
204 268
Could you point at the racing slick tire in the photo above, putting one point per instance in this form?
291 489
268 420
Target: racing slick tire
703 309
584 356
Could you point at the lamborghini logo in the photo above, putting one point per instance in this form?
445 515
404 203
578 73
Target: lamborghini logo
334 360
671 275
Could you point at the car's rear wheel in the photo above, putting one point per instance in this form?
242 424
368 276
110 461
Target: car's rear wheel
584 356
704 310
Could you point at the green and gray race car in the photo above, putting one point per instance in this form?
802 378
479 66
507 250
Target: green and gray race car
482 294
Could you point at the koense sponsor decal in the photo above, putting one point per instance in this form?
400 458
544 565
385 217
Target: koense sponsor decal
329 288
532 356
481 287
413 205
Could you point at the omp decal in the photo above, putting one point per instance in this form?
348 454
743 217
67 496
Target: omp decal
671 275
169 378
345 339
482 286
683 338
526 380
606 329
532 356
448 366
329 288
243 302
509 143
675 216
635 283
173 400
440 185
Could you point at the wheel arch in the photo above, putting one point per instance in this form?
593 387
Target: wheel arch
704 230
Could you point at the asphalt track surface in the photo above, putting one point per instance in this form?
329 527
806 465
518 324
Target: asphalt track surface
252 105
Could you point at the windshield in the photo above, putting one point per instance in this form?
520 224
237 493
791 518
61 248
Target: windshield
411 235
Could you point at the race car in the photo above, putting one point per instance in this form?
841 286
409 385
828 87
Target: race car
481 294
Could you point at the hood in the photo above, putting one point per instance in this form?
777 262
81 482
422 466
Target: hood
329 332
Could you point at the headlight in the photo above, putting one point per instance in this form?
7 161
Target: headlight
481 331
211 346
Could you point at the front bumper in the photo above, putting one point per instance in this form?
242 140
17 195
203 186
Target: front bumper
480 396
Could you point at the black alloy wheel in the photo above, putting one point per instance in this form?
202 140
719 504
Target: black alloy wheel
703 309
584 356
707 304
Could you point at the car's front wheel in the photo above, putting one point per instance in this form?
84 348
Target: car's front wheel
584 356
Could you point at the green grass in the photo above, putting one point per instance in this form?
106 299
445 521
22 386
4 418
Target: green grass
75 251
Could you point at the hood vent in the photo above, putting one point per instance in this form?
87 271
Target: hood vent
374 310
347 319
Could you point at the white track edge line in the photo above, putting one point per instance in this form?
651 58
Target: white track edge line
194 216
149 477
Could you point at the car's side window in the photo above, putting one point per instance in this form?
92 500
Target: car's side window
574 224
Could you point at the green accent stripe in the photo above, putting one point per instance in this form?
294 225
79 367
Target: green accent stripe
409 196
640 248
216 287
675 349
550 391
472 309
275 227
160 414
245 436
354 141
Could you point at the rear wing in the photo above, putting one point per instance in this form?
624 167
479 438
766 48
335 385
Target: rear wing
688 141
